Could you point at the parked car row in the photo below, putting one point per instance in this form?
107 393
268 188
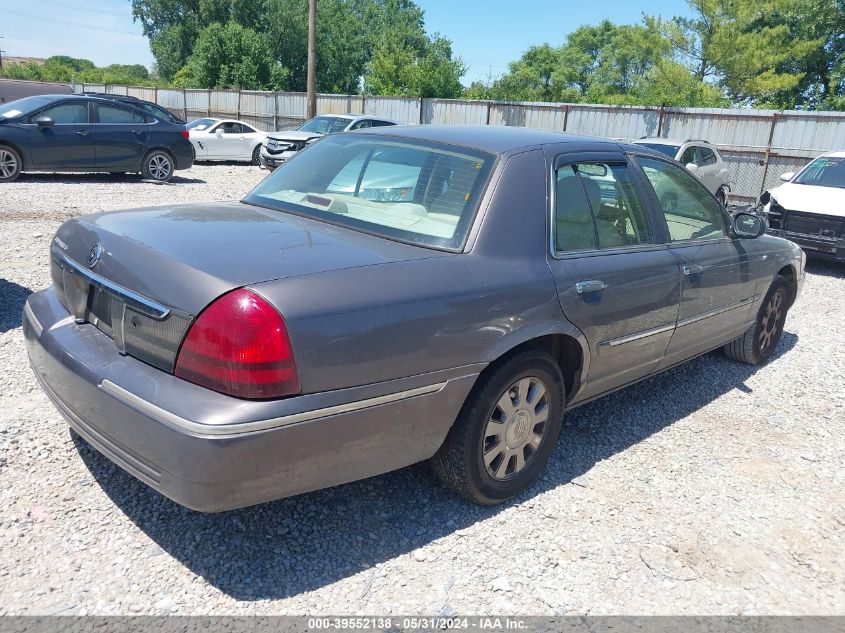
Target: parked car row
89 133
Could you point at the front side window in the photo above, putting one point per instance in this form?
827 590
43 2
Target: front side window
412 191
691 212
66 113
360 125
596 206
229 128
690 155
827 171
707 157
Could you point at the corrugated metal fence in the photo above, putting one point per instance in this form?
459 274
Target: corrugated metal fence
758 145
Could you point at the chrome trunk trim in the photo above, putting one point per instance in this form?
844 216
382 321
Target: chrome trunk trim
199 428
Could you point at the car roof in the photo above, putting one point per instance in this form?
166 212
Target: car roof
496 139
837 154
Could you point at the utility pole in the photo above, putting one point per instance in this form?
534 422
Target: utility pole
312 59
1 54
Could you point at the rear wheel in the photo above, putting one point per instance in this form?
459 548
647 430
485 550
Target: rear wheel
256 155
158 166
10 164
760 340
506 430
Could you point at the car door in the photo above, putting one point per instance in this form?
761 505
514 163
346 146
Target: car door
120 135
65 145
615 280
226 141
718 286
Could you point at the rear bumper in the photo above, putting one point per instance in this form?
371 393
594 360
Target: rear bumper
830 248
210 452
185 154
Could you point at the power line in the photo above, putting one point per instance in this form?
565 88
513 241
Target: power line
84 8
76 24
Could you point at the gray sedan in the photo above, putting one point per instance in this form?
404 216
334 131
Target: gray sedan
390 296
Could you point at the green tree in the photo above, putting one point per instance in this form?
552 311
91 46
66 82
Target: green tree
740 45
230 55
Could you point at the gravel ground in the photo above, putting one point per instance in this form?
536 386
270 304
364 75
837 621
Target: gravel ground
716 488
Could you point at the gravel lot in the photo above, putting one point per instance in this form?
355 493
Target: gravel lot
714 488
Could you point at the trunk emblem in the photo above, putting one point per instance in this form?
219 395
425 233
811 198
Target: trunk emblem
95 254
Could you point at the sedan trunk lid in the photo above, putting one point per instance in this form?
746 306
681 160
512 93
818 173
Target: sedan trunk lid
141 275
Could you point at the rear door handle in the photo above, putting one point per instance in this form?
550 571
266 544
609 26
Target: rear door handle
593 285
82 132
692 269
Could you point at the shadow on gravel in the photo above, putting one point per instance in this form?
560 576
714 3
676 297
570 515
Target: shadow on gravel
291 546
12 298
86 179
825 268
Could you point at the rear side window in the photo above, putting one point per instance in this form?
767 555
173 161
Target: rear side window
114 115
377 123
597 206
66 113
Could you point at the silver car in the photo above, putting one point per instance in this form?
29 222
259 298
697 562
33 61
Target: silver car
391 296
280 146
700 157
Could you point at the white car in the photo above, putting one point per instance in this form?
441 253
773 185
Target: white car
809 208
700 158
225 139
280 146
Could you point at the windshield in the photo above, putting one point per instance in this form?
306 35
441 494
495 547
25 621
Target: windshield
23 106
669 150
824 172
200 124
325 125
411 191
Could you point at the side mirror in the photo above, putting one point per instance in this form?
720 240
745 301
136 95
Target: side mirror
692 167
787 176
44 121
748 225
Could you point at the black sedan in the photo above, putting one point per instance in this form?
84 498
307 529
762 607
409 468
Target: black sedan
85 133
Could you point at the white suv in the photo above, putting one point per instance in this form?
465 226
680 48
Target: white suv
699 157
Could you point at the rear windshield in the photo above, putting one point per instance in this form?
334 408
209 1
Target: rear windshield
411 191
669 150
824 172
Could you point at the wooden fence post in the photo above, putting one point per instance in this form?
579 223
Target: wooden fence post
565 116
768 154
660 119
275 111
185 103
209 103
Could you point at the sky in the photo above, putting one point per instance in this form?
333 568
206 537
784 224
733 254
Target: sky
487 34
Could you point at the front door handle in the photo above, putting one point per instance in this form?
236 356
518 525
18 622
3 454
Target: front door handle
692 269
82 132
593 285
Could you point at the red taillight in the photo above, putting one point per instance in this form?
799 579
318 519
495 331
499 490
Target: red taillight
239 345
186 133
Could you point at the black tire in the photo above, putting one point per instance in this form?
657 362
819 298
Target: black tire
722 197
10 164
158 165
760 340
256 155
460 461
